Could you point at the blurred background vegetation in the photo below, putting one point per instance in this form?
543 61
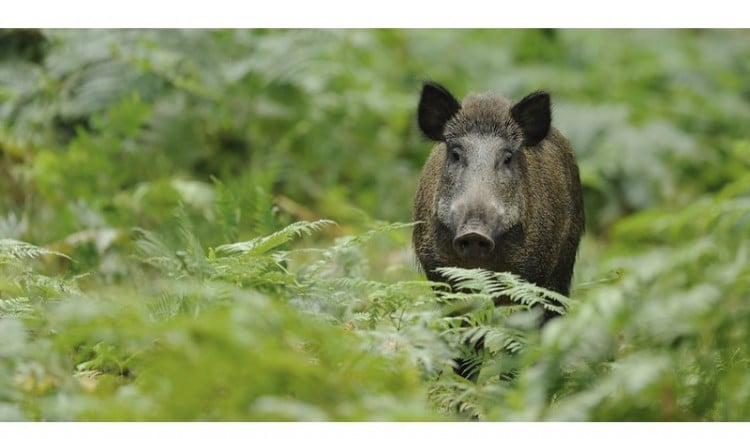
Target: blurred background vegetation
162 258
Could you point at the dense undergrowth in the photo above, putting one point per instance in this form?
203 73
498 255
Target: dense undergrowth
213 225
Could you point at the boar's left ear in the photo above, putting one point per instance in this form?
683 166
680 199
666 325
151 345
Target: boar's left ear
436 107
533 115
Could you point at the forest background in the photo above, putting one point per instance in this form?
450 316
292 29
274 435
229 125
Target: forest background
215 225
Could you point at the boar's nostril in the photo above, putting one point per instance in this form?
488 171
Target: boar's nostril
473 245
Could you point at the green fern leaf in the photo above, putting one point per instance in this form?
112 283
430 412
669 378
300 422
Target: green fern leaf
13 250
263 244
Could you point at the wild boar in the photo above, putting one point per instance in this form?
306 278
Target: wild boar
500 191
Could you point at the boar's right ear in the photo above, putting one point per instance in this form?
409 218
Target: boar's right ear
436 107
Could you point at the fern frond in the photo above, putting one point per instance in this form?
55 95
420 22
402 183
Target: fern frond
455 395
166 306
48 286
156 252
346 247
474 279
263 244
505 338
499 284
13 250
15 306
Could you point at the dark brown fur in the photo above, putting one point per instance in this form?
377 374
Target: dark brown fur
542 247
500 191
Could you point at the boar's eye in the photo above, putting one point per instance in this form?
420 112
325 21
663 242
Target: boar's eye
507 158
454 153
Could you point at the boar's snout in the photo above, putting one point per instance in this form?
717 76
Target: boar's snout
473 245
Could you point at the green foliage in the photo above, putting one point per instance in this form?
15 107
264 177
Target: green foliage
247 354
163 256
